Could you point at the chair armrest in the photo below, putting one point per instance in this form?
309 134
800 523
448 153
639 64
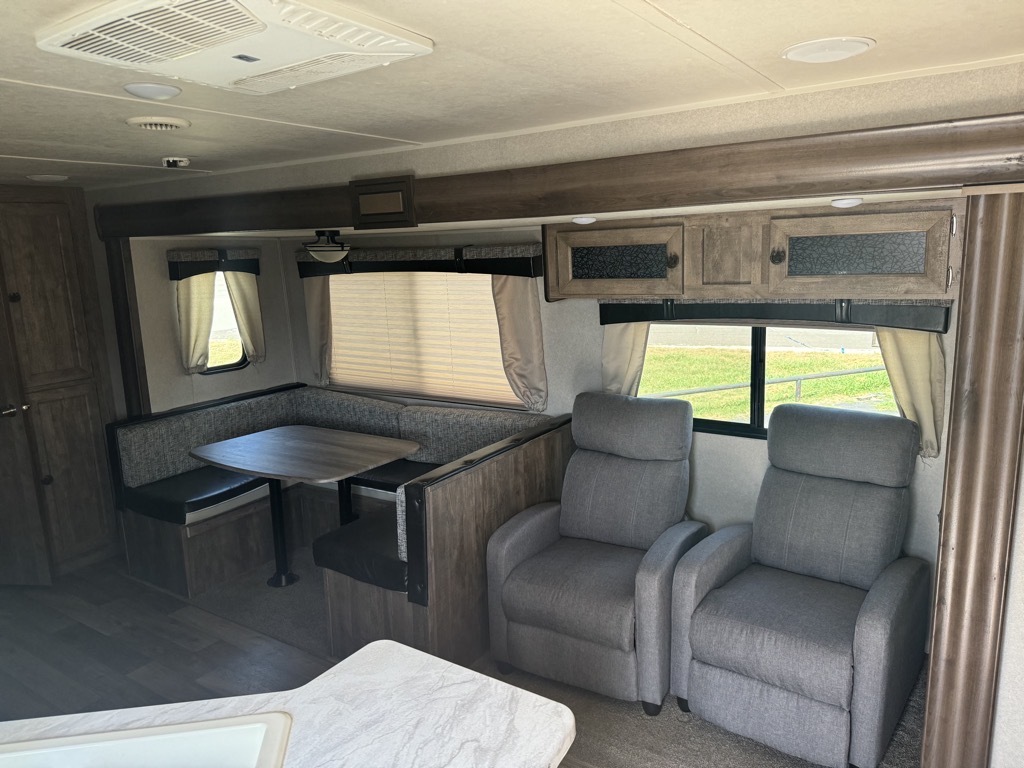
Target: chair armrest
522 537
709 565
888 650
654 606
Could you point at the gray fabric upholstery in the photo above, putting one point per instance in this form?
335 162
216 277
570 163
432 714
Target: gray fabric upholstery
446 434
318 407
570 660
633 427
781 719
526 534
833 529
576 587
790 631
709 565
851 445
153 450
813 647
888 650
654 606
591 608
622 501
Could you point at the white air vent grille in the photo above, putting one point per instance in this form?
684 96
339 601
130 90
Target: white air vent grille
249 46
313 71
167 32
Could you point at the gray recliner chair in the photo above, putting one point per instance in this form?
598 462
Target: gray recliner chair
579 590
806 630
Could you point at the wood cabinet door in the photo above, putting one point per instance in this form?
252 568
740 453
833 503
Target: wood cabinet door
42 282
68 428
23 552
874 256
613 261
723 256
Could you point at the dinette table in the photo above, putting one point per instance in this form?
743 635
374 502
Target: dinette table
306 454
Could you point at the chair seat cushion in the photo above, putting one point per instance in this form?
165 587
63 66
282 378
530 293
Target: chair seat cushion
365 550
172 498
576 587
785 629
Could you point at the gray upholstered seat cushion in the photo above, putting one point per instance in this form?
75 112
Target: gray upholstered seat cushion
632 427
584 589
446 434
791 631
852 445
833 529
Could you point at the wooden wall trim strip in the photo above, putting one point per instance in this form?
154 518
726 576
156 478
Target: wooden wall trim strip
129 331
983 462
985 150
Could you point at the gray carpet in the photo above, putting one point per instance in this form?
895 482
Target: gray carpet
610 733
295 614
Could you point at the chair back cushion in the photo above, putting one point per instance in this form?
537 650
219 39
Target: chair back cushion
629 477
835 500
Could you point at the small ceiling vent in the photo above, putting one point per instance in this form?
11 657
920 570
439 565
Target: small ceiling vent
158 123
249 46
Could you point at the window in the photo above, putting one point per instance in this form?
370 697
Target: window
226 352
425 334
734 376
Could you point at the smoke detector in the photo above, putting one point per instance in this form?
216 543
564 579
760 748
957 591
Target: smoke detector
249 46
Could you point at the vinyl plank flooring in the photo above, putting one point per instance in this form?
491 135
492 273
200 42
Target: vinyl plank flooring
42 677
18 701
168 684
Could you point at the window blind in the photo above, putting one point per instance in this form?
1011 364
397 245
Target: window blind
431 335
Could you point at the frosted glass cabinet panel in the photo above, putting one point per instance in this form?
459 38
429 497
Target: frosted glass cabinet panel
860 255
611 261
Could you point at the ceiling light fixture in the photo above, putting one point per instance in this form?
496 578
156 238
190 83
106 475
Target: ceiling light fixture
327 247
158 123
583 220
847 202
152 91
46 177
828 49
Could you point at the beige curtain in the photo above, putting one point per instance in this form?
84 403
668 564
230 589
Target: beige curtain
195 319
318 325
917 369
245 301
622 357
522 343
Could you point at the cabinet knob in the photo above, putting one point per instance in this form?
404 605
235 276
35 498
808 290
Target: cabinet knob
14 298
777 256
672 261
46 480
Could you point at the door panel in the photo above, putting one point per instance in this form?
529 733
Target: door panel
23 553
42 285
68 430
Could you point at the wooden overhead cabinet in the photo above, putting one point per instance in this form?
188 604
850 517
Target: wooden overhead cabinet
618 259
902 254
724 255
55 507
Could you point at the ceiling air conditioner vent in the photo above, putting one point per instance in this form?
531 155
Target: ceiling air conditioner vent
249 46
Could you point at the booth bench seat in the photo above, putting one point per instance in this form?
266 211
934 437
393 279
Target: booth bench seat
183 527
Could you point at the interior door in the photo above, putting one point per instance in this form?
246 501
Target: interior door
24 558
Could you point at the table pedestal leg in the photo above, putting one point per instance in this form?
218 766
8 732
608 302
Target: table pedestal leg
281 578
345 511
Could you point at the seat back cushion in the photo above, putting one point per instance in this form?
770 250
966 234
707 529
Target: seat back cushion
629 478
448 433
316 407
835 500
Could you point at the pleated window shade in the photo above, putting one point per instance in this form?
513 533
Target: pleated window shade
431 335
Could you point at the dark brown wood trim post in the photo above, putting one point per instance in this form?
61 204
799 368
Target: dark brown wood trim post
126 323
983 463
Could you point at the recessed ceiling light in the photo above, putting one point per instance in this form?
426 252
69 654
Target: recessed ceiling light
847 202
152 91
47 177
583 220
158 123
828 49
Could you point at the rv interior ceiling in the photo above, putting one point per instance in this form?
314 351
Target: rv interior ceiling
293 82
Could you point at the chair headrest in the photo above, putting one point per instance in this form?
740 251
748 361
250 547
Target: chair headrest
849 445
633 427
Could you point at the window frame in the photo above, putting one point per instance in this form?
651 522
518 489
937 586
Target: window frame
758 387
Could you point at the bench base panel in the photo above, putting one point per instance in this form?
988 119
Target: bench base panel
360 613
190 559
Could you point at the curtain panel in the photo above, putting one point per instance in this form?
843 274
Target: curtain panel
245 301
195 320
622 357
517 306
916 366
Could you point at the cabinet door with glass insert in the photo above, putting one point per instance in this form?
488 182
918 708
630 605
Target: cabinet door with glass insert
611 261
884 255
